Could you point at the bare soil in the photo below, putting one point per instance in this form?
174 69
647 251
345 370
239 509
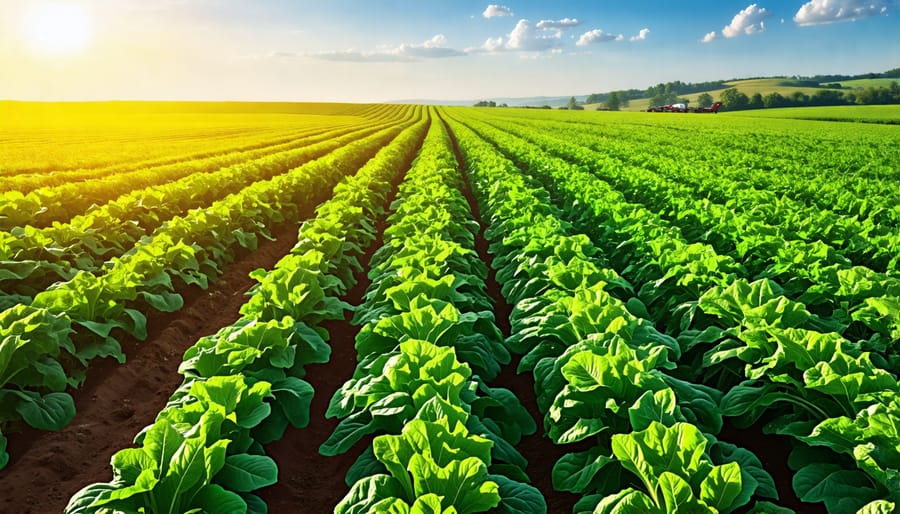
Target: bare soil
117 401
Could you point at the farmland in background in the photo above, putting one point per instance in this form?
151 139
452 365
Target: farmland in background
352 307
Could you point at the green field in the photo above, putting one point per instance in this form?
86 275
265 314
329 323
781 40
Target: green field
862 83
369 307
889 114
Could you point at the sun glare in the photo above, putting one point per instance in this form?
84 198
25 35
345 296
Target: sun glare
57 28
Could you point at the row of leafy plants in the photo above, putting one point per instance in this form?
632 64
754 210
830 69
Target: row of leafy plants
60 202
427 347
34 258
600 371
663 178
48 344
229 147
244 385
855 300
847 169
776 361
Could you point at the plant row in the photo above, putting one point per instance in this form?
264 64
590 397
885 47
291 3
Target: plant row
675 179
48 344
600 371
747 339
34 258
41 207
214 144
856 301
427 345
845 168
244 385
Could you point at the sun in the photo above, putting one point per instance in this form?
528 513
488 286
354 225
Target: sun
57 28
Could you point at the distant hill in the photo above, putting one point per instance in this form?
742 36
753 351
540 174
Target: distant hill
528 101
749 87
641 99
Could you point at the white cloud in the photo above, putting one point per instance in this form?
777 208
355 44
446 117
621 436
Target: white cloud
817 12
564 23
598 36
434 48
641 35
526 37
494 10
749 21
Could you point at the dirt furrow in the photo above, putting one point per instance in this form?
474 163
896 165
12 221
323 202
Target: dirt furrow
117 401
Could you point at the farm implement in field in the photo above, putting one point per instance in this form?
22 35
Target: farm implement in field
714 108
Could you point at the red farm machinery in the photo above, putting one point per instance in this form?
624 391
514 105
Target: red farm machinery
714 108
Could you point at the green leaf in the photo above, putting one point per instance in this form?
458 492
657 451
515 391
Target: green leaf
52 411
516 497
722 486
165 301
293 397
842 490
575 472
245 473
80 502
347 433
656 406
213 499
678 496
628 501
877 507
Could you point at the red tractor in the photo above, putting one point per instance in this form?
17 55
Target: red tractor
714 108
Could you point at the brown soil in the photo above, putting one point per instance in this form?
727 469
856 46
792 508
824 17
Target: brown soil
309 482
117 401
538 450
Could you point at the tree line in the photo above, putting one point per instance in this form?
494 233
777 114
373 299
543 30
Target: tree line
734 100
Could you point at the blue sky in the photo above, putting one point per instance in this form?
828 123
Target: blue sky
354 50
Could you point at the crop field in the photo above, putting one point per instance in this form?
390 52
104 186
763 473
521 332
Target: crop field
226 307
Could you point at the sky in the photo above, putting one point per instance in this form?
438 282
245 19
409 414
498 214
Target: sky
372 51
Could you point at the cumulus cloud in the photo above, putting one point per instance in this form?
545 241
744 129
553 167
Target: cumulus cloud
641 35
494 11
434 48
750 20
597 36
817 12
524 37
564 23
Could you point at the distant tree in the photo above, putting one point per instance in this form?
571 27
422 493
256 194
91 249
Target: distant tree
734 100
756 101
623 98
612 101
827 97
573 105
705 100
664 99
799 98
774 100
879 95
594 98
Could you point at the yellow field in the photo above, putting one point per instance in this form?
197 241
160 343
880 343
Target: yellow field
62 137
